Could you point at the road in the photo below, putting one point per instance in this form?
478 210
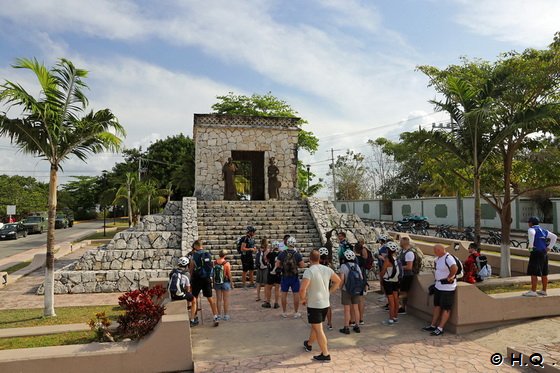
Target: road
32 241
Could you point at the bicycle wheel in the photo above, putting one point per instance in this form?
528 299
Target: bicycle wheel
514 243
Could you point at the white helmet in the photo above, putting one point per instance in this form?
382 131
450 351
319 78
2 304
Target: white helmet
291 242
183 261
392 246
323 251
275 244
349 255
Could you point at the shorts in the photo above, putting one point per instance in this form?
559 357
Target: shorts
201 284
262 276
390 287
273 279
538 264
444 299
316 315
247 263
226 286
186 296
348 299
288 282
406 282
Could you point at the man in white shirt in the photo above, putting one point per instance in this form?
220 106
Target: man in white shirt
540 243
318 283
444 295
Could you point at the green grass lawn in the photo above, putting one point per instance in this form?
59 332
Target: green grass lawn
17 267
514 288
100 236
70 338
65 315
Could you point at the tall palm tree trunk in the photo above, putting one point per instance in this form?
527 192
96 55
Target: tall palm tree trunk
505 220
49 265
129 203
477 208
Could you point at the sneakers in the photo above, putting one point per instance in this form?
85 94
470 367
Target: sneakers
356 329
542 293
216 320
219 317
329 327
362 322
429 328
226 318
297 315
345 330
352 324
437 332
306 346
389 322
395 321
322 358
530 293
402 311
276 305
193 323
284 315
266 305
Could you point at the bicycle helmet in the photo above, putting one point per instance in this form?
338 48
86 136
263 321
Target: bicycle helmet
291 242
323 251
183 261
392 246
533 220
275 244
349 255
250 228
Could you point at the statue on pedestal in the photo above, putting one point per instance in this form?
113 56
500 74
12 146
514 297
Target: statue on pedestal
273 182
228 175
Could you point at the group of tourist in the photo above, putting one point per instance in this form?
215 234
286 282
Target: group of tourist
277 268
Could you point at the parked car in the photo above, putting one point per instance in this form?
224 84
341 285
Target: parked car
61 222
36 224
13 231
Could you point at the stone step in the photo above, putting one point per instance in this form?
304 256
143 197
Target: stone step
250 203
231 248
219 234
228 222
216 240
267 215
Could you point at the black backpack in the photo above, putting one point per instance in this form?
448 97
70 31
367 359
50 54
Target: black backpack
289 265
219 273
238 244
203 265
173 280
354 284
459 264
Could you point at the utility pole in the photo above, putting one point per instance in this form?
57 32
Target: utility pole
333 174
139 168
308 168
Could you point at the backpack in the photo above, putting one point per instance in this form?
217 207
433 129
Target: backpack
219 273
459 264
369 260
483 268
354 284
540 242
418 263
289 265
173 280
203 265
238 243
397 270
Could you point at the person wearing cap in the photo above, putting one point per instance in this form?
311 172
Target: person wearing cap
390 275
247 260
540 243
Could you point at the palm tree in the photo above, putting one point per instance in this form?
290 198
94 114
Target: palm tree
152 193
129 191
54 127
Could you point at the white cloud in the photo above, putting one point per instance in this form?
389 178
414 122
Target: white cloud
527 23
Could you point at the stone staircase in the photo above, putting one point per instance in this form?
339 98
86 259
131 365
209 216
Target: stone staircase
221 223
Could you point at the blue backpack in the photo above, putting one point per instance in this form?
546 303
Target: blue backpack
354 284
540 238
203 265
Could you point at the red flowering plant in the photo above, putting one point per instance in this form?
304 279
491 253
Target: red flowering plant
143 310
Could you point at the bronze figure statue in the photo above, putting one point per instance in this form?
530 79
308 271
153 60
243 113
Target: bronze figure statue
228 175
273 182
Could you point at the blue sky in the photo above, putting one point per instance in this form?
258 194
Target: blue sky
347 66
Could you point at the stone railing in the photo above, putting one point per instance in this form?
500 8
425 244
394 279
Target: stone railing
189 224
101 259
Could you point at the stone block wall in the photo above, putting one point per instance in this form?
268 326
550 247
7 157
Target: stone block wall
189 224
145 240
159 223
216 136
101 259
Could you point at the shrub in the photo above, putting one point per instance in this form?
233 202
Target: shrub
143 310
100 325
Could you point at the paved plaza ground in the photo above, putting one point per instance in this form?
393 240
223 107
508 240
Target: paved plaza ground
258 339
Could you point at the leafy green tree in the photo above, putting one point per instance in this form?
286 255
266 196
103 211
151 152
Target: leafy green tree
81 195
269 105
499 108
350 176
130 192
54 126
26 193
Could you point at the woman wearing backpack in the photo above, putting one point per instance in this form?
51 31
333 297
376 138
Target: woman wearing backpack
222 284
352 288
390 275
469 267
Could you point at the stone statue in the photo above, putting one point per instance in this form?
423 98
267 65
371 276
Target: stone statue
273 182
228 176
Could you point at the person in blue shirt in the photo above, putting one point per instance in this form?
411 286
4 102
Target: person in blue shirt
540 243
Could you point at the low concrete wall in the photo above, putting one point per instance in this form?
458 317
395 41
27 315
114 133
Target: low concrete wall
167 349
474 309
